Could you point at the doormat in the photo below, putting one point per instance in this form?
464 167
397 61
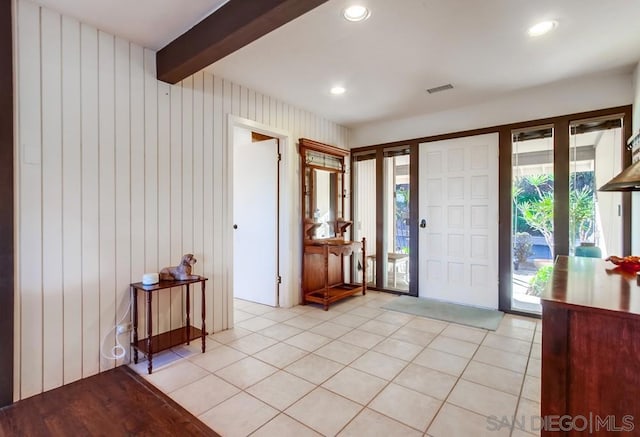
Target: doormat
449 312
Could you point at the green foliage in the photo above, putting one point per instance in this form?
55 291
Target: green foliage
522 247
539 281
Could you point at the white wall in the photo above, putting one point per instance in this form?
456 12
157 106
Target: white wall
576 95
117 174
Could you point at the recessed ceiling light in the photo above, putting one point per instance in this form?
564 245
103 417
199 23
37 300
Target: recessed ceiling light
337 90
356 13
542 28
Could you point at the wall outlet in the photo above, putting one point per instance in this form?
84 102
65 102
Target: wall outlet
123 328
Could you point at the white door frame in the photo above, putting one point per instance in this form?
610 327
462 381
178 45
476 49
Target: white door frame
286 220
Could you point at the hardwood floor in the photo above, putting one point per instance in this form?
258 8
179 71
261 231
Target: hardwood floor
117 402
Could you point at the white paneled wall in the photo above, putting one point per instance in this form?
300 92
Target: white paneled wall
117 174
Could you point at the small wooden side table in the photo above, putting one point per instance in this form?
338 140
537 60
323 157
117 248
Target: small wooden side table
166 340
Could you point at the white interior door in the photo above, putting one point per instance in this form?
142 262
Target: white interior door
458 186
255 215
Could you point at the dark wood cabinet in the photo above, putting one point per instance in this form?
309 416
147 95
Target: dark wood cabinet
326 248
590 350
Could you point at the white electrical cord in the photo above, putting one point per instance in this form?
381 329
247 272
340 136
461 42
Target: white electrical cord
118 351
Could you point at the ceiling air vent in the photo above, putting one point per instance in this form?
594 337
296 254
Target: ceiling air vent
440 88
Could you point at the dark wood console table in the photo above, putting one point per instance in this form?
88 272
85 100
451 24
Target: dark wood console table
590 348
166 340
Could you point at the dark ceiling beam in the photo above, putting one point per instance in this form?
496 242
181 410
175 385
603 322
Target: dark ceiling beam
233 26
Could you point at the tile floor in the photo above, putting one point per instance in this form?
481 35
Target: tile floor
357 370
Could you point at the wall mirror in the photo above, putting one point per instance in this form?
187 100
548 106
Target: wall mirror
322 189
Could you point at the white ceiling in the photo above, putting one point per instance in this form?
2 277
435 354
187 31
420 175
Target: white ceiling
406 46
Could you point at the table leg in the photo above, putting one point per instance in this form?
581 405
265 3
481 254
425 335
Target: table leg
188 315
134 293
204 329
149 333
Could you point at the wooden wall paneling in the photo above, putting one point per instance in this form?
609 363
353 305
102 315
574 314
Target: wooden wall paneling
198 182
71 201
164 198
106 194
251 115
227 232
122 184
187 165
137 190
52 354
235 99
273 112
244 102
217 283
259 108
30 233
207 195
177 310
90 203
150 166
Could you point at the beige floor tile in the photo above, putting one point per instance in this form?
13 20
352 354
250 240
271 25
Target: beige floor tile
536 351
453 346
407 406
506 360
515 332
230 335
426 381
507 344
246 372
284 426
324 411
398 349
494 377
366 312
308 341
528 416
280 331
519 433
300 309
177 375
238 416
218 358
252 343
257 308
534 368
398 319
280 355
465 333
454 421
341 352
360 338
427 325
537 337
519 321
357 386
442 361
239 315
415 336
280 315
321 314
255 324
203 394
240 303
303 322
483 400
281 389
330 330
350 320
372 424
531 388
380 328
380 365
314 368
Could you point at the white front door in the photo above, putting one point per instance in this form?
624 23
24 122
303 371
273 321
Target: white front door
255 220
458 186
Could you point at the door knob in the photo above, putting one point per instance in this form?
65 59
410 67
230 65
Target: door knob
423 223
235 226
